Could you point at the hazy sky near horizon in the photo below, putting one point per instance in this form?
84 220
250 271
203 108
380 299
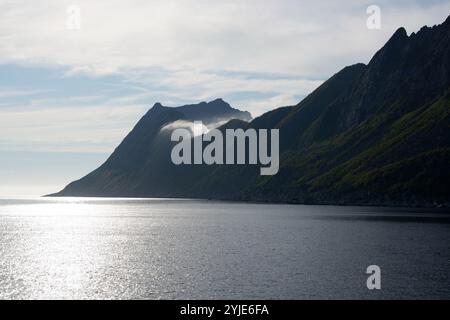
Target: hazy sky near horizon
68 97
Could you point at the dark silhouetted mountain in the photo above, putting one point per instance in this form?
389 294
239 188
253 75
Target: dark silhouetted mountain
375 134
142 163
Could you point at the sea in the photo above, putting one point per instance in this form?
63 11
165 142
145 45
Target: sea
102 248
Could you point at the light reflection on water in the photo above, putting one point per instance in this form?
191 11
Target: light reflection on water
171 249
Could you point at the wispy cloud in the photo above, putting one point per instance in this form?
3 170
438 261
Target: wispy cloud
257 55
272 36
8 92
83 129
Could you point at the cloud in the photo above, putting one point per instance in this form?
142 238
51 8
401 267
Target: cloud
256 93
196 35
195 129
88 129
7 92
258 55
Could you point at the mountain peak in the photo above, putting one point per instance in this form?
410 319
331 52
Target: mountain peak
218 100
391 52
157 105
398 37
447 22
219 103
401 32
212 111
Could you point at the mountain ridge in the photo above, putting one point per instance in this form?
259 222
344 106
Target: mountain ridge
375 134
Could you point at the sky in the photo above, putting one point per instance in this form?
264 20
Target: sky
72 86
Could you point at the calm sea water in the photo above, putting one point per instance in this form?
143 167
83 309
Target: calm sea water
183 249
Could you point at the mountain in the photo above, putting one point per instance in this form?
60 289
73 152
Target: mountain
141 164
375 134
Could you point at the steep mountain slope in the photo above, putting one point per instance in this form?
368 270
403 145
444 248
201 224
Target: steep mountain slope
383 135
372 134
141 164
